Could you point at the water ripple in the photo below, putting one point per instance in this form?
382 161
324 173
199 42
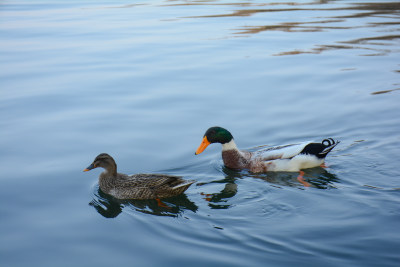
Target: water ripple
387 11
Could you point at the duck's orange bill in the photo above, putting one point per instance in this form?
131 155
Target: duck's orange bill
203 145
91 167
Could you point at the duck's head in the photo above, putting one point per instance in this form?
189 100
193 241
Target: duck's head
104 161
214 135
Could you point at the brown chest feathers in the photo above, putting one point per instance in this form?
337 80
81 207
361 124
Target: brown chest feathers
236 160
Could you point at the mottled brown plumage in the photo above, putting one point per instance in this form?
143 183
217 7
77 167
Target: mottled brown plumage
137 186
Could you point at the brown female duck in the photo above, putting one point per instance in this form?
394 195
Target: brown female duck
137 186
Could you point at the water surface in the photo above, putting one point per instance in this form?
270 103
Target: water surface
143 81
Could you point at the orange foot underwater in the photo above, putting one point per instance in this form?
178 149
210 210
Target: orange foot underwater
208 197
162 204
301 179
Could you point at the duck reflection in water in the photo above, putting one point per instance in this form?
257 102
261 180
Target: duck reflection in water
110 207
317 177
219 200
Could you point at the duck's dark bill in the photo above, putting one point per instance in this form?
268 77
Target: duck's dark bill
203 145
91 167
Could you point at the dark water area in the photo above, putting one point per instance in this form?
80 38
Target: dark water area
143 81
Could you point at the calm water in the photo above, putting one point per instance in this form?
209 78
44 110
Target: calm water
143 80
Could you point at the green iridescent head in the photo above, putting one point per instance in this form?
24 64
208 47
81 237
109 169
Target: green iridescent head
214 135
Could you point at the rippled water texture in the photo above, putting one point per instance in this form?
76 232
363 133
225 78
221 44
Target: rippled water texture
143 80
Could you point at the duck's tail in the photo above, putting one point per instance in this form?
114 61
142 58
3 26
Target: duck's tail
329 145
184 185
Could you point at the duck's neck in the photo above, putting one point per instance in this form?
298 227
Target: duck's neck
107 178
231 145
232 157
111 171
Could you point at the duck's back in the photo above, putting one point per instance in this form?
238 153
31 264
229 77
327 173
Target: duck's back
146 186
280 152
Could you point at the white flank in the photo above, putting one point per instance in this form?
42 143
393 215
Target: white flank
297 163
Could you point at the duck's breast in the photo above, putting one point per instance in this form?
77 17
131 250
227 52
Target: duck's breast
236 159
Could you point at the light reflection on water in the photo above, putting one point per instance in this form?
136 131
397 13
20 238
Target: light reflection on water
144 80
379 11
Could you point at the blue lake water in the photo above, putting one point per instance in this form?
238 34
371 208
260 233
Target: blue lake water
143 80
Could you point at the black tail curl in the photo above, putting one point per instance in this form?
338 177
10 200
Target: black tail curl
320 150
329 142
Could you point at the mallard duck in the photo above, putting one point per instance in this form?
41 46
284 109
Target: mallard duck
137 186
291 158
